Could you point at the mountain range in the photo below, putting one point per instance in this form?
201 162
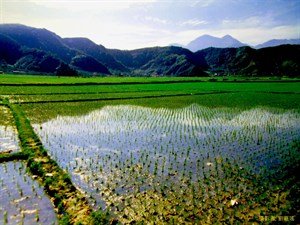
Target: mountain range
206 41
41 51
276 42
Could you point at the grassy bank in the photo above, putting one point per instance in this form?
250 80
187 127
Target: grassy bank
36 79
44 102
69 203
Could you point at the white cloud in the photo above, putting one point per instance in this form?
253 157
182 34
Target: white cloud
128 24
258 29
193 22
93 5
128 36
156 20
254 21
202 3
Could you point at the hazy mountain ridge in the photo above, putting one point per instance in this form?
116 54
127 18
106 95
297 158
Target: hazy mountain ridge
277 42
39 50
207 41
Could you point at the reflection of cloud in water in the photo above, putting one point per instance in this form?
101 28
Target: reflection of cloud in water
8 139
116 137
22 198
132 127
261 117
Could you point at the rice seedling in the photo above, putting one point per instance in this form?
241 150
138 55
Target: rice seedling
133 159
6 118
22 200
8 139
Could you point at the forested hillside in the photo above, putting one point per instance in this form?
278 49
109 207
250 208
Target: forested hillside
31 50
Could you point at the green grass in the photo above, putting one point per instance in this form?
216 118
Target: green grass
35 79
37 93
77 96
60 97
120 85
6 118
41 112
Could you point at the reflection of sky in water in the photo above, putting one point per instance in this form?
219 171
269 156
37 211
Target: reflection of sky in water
115 135
8 139
125 129
21 195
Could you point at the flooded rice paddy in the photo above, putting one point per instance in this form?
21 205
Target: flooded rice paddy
22 200
8 133
123 150
8 139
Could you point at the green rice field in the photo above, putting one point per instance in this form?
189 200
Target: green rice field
149 150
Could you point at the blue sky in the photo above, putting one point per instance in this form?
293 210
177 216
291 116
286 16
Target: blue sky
130 24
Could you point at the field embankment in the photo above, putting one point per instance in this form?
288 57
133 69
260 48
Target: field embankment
69 203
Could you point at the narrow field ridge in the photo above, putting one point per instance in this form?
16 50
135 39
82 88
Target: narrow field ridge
131 97
70 204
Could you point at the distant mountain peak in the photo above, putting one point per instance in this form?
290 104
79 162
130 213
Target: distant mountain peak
227 36
206 41
276 42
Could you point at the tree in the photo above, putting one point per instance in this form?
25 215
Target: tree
65 70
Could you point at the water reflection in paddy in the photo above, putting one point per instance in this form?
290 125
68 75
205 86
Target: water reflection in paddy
8 139
22 200
185 142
